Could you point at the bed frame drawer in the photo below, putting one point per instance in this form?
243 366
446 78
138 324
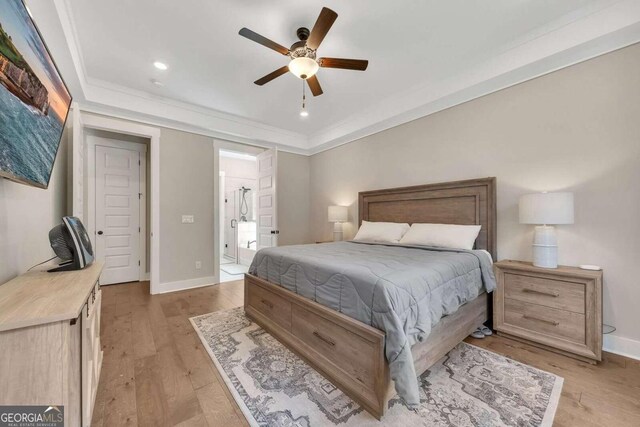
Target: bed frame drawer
270 305
354 355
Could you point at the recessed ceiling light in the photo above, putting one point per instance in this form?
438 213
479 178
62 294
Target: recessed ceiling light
304 113
160 65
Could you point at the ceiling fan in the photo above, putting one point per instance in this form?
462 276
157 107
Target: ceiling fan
304 63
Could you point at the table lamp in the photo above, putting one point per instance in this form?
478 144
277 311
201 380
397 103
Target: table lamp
546 210
338 215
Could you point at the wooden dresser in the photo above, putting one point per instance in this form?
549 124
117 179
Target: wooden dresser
50 341
556 309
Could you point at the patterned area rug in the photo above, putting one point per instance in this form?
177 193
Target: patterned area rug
468 387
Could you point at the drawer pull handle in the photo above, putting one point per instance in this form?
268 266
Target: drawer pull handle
551 322
534 291
267 303
320 337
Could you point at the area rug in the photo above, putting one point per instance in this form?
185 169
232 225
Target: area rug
468 387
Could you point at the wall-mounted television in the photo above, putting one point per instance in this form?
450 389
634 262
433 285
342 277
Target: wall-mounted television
34 100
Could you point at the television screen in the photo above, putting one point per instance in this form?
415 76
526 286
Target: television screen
34 100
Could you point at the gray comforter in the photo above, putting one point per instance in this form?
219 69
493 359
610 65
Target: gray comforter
401 290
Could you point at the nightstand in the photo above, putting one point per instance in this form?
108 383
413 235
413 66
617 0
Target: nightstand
556 309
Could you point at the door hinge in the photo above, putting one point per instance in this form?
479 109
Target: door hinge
275 231
139 163
139 230
138 262
139 196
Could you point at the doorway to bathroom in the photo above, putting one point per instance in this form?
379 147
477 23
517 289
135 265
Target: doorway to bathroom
238 237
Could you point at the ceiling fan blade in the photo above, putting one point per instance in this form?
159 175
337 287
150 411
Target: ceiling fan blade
346 64
314 85
321 27
272 75
245 32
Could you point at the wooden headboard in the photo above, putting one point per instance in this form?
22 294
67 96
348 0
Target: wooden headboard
470 202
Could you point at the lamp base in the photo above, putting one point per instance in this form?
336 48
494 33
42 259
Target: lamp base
545 247
337 231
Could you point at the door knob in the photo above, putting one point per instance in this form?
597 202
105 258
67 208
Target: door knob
100 233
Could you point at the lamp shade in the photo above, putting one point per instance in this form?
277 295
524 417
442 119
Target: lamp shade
546 208
338 214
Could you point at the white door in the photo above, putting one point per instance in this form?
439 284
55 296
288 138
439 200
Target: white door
267 163
118 214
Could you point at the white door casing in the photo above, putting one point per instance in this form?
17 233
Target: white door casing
118 193
267 164
231 225
77 162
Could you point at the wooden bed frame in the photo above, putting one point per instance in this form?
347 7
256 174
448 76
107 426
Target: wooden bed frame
350 353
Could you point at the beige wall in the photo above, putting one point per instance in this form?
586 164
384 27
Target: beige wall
26 216
577 129
186 188
293 199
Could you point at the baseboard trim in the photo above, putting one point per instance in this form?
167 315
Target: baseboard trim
622 346
182 285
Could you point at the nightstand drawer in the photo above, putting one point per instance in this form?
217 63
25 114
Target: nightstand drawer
544 320
563 295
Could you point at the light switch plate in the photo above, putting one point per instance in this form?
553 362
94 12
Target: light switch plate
198 265
187 219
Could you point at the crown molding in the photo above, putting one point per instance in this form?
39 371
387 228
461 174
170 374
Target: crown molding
173 114
602 27
109 111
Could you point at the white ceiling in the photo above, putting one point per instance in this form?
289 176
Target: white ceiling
421 54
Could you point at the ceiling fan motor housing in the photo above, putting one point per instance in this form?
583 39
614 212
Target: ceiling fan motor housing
299 49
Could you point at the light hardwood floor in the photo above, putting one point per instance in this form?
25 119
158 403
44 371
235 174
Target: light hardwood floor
156 372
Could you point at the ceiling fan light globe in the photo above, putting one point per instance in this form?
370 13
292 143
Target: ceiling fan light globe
304 113
303 67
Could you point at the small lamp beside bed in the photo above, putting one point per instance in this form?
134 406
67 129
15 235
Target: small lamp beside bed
546 210
337 215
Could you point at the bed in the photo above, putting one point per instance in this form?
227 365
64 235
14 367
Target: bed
338 327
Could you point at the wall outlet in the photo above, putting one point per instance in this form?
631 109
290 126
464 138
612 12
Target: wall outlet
187 219
198 265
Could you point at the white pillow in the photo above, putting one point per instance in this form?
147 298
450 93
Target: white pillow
381 232
442 235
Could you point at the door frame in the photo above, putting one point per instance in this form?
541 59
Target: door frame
217 215
92 211
91 121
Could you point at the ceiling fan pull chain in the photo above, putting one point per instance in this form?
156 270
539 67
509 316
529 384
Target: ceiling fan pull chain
303 112
304 97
